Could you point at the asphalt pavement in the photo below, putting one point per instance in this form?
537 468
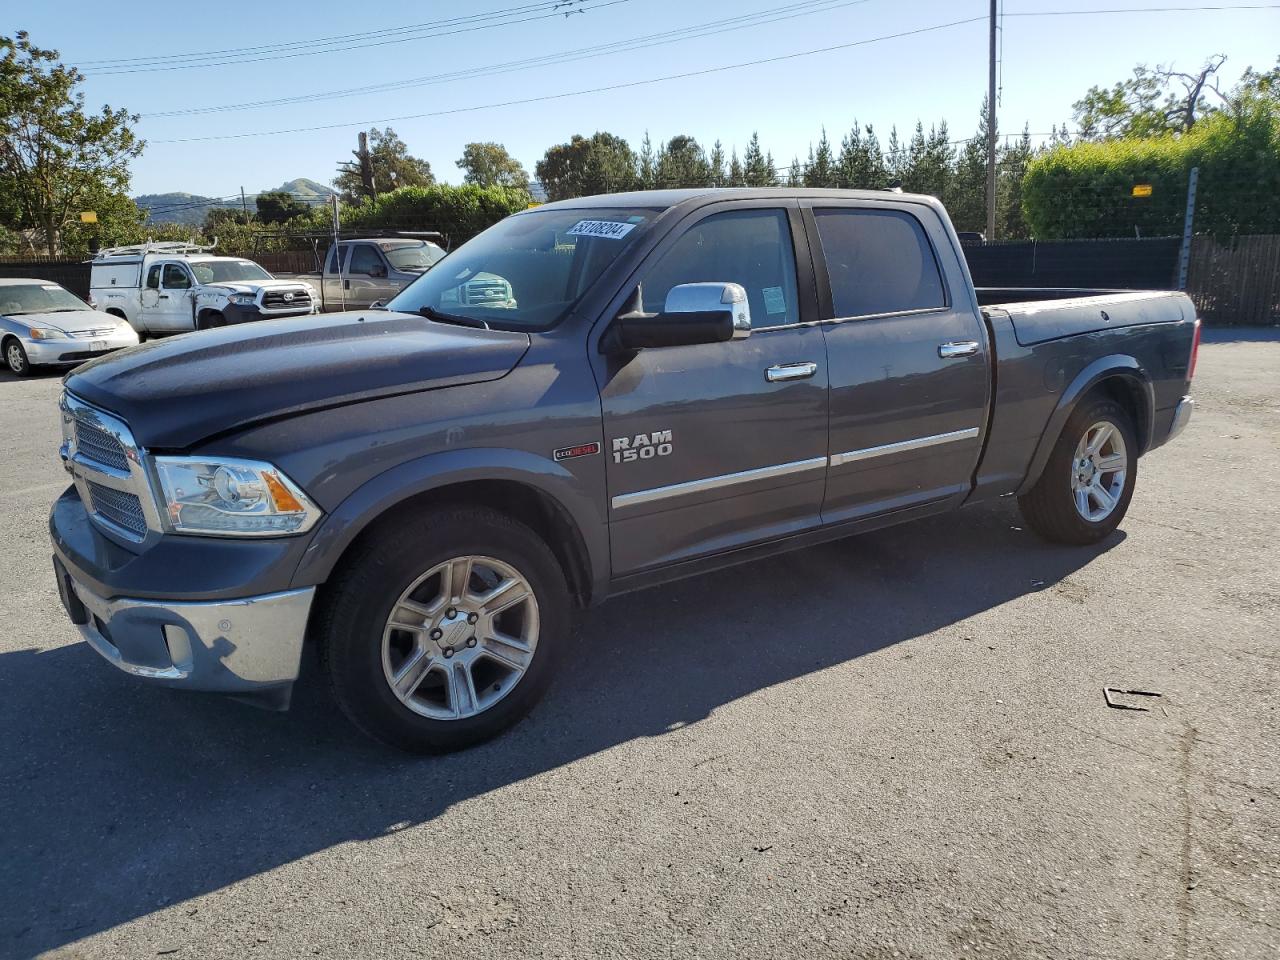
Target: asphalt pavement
891 746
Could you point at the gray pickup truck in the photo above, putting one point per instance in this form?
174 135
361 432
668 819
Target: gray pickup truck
359 273
675 382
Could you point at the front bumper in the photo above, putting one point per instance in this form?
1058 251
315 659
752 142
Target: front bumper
75 349
252 313
248 646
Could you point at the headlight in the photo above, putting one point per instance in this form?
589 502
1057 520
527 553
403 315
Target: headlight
243 299
232 498
47 333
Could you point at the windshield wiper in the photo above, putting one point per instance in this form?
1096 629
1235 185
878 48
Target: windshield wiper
431 313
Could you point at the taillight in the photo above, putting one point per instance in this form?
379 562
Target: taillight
1195 351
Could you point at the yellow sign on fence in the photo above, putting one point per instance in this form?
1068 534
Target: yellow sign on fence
89 216
1142 189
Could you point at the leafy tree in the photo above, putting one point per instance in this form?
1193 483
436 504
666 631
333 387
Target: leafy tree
279 207
392 165
489 165
56 157
683 163
1152 102
583 167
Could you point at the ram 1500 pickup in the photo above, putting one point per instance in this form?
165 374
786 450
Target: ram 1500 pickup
676 381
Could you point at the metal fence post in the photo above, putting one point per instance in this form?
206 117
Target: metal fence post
1184 257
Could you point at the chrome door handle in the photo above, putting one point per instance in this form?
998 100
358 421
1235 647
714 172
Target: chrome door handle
790 371
958 348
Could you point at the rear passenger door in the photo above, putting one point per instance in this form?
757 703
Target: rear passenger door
715 446
907 356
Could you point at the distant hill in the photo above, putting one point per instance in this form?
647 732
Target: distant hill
191 208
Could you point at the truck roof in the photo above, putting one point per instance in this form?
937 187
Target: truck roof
664 199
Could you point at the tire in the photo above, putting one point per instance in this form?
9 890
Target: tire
362 651
15 358
212 319
1056 506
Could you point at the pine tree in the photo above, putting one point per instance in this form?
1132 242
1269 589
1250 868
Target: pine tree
796 173
821 171
861 163
1011 171
757 168
646 164
715 165
737 176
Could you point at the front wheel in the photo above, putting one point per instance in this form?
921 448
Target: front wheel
444 630
1088 481
15 358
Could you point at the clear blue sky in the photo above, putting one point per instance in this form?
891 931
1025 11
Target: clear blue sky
1048 62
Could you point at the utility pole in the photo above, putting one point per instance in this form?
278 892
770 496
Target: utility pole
366 166
244 205
991 129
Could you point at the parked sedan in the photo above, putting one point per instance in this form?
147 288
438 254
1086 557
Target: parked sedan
42 323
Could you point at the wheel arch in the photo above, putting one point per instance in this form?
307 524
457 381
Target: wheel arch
1120 377
548 500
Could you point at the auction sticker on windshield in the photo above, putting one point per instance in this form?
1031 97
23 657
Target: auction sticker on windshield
607 229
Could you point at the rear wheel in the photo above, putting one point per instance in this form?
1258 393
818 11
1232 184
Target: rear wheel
15 358
444 630
1088 481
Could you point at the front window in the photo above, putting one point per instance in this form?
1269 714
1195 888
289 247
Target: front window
17 299
527 272
228 271
411 256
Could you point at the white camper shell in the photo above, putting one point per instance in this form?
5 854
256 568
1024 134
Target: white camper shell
165 288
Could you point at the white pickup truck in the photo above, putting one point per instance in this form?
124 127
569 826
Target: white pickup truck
163 288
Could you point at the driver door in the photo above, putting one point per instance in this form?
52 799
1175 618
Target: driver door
367 277
715 446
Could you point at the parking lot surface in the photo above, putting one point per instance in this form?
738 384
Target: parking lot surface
891 746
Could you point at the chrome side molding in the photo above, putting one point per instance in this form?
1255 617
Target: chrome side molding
715 483
837 459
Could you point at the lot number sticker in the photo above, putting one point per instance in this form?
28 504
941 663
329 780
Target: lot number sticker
606 229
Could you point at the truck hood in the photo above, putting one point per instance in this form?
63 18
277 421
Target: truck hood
253 286
175 392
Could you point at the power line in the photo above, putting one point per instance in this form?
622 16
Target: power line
578 93
680 76
315 41
697 31
360 46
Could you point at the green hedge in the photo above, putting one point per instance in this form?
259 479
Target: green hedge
1086 190
459 212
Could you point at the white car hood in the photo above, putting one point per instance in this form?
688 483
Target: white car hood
72 321
253 286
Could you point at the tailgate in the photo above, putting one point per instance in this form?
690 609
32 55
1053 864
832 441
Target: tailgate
1041 320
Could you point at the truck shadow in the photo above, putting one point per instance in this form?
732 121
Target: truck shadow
118 799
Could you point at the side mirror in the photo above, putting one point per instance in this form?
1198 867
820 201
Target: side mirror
693 313
378 305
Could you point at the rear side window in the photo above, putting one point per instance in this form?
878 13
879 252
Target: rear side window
879 261
333 259
153 278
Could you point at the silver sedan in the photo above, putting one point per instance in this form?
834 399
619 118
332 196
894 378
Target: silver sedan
42 323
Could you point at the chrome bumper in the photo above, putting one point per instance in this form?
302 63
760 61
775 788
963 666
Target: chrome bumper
1181 417
251 645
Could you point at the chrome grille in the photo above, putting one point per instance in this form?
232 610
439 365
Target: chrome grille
122 509
281 299
97 444
92 334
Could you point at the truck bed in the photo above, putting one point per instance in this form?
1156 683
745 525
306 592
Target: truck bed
1040 315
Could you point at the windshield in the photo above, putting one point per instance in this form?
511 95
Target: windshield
228 271
23 298
526 272
412 256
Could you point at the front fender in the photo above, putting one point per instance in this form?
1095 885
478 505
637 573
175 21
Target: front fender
1114 365
437 470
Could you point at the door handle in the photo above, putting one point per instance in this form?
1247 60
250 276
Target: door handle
790 371
163 296
957 348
